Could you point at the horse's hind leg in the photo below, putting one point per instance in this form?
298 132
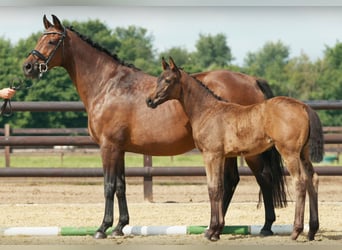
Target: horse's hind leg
313 196
231 180
312 187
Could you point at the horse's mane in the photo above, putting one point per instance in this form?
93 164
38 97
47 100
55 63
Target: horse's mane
208 89
100 48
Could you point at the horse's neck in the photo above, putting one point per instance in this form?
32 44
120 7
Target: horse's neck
196 99
89 69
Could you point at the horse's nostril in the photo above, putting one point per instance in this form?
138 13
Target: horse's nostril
27 67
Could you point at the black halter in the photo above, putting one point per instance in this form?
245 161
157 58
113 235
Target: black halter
43 67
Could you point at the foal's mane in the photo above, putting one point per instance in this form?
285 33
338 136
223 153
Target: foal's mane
208 89
101 49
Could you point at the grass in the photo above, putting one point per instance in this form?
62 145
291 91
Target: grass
81 159
78 160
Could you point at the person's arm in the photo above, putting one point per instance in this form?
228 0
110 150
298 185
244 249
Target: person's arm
7 93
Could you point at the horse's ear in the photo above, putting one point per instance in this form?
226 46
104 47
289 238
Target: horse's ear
57 23
173 66
164 64
46 22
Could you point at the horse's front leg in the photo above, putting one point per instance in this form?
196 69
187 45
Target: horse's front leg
214 165
110 158
122 201
264 180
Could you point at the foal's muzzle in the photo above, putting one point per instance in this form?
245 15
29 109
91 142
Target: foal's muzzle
150 103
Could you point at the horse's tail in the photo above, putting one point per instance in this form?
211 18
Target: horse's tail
265 88
316 140
273 166
273 163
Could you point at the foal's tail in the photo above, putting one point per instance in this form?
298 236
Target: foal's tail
316 140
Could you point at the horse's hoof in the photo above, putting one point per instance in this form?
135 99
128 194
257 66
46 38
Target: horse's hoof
311 236
100 235
266 232
117 233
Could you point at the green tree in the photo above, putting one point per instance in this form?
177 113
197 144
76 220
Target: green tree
182 57
329 83
269 63
135 46
302 77
97 32
212 52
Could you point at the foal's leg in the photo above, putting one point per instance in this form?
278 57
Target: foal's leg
231 179
214 164
264 179
312 186
297 172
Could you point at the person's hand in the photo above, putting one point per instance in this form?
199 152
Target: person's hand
7 93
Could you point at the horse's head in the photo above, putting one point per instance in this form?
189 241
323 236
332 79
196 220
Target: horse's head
49 50
168 85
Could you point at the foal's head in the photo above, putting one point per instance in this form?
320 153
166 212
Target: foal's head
168 85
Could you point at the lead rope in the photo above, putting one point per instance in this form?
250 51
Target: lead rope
7 111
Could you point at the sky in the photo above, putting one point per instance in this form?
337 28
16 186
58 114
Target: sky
305 29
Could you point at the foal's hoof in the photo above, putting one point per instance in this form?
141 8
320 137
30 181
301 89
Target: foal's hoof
266 232
295 235
211 236
100 235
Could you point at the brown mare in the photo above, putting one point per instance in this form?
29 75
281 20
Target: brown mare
114 96
222 129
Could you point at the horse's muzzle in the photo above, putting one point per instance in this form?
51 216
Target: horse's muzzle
150 103
31 69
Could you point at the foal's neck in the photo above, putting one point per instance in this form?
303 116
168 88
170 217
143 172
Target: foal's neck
196 98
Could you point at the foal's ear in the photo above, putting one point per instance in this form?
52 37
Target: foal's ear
164 64
46 22
172 64
57 23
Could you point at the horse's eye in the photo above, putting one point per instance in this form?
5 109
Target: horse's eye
52 42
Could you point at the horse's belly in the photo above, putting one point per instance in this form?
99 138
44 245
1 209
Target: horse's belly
163 142
162 148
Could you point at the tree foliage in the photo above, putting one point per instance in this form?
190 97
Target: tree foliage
213 52
298 77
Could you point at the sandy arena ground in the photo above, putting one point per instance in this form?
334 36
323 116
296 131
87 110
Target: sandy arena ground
79 202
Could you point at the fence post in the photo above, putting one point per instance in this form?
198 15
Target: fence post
148 195
7 148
